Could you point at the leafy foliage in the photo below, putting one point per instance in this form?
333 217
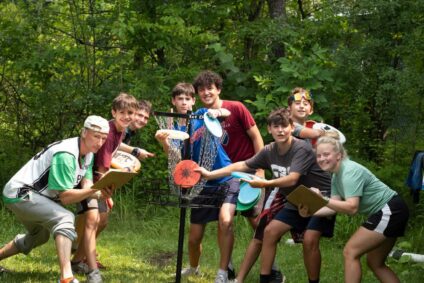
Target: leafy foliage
362 60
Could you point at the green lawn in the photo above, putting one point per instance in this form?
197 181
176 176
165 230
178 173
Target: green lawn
143 248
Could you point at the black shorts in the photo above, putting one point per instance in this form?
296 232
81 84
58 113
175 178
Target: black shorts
299 224
391 220
204 215
91 203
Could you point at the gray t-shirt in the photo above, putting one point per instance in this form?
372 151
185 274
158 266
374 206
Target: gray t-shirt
300 158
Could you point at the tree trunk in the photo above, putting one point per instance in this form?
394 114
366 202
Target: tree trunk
277 12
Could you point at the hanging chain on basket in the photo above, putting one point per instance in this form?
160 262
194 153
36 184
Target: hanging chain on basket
208 151
207 156
175 147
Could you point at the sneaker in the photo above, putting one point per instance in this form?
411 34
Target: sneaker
189 271
221 278
277 276
231 273
94 276
74 280
79 267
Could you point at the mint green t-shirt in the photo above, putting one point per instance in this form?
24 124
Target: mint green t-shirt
62 172
354 180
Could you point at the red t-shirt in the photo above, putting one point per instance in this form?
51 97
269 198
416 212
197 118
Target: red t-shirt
103 157
235 140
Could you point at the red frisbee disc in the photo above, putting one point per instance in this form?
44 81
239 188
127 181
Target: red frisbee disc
184 174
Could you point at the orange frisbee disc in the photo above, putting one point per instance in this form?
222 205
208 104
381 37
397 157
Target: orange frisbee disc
184 174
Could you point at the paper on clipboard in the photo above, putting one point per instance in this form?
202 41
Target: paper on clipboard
305 196
114 177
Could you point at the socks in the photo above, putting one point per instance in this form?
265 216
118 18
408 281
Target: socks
265 278
314 281
274 266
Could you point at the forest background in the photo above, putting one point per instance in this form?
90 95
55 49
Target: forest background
362 60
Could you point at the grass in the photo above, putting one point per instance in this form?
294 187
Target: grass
140 245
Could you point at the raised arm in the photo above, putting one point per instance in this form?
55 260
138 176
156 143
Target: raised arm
258 144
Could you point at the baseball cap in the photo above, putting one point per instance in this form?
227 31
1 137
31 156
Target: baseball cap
97 123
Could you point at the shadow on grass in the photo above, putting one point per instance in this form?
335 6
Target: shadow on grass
19 276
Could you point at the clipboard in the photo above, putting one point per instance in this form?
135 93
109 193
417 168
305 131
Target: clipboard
305 196
113 177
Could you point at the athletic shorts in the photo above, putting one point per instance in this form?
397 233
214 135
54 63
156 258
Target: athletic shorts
299 224
209 214
233 191
391 220
91 203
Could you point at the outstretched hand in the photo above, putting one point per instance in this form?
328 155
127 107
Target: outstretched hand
205 173
257 182
161 137
143 154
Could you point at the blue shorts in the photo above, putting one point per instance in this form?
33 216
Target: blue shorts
291 217
233 191
391 220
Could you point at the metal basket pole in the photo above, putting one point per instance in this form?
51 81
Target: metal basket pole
183 209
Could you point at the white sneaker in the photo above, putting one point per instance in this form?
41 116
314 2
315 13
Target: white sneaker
94 277
221 278
189 271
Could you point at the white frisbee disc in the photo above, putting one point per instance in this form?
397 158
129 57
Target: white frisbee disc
326 127
121 160
213 125
175 134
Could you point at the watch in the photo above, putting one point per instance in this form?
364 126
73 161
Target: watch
135 152
327 199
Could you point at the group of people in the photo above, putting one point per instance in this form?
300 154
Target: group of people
63 173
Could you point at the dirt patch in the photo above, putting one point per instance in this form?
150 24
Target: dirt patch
162 259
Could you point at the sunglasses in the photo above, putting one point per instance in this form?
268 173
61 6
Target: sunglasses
298 96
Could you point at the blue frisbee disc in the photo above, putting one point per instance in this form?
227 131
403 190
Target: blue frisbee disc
213 125
242 175
247 194
244 207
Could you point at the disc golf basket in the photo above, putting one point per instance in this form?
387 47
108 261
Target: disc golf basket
184 187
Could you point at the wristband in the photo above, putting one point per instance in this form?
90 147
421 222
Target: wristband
327 199
135 152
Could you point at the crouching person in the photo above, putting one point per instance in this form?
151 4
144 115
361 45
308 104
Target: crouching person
36 193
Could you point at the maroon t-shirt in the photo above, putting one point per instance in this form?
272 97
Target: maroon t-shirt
235 140
103 157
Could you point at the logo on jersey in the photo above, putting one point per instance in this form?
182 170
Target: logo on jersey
280 171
